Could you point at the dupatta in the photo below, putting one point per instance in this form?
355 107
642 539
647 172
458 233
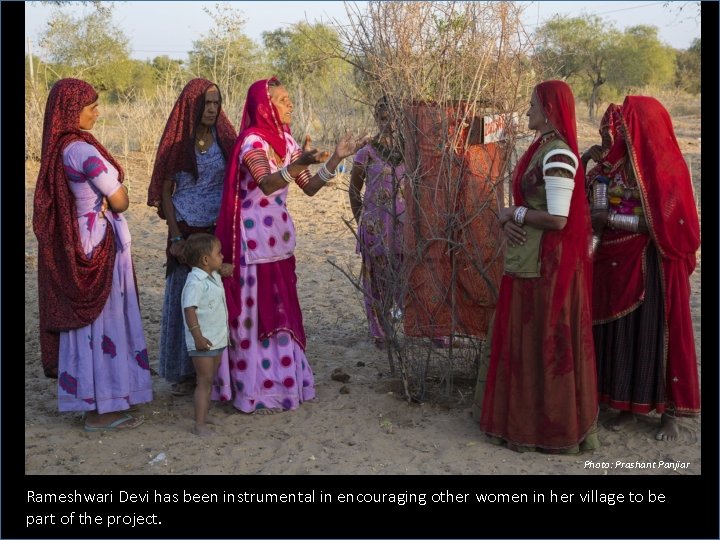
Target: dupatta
72 287
558 104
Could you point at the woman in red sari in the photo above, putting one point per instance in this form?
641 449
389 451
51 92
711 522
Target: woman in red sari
541 390
649 236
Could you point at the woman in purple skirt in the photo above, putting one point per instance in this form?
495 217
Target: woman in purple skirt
91 334
380 214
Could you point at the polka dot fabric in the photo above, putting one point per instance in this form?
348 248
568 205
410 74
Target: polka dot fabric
267 228
269 372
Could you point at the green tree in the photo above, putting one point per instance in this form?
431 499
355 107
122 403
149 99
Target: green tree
308 59
578 49
91 48
639 59
688 68
304 52
226 55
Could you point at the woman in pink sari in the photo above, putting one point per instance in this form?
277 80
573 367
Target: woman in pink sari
265 369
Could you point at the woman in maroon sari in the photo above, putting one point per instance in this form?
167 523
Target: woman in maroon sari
266 370
541 386
649 236
91 335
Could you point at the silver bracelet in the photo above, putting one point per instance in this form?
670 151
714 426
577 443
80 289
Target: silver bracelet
600 198
325 174
286 175
624 222
519 215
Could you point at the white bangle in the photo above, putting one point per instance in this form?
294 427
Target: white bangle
558 193
286 175
325 174
519 215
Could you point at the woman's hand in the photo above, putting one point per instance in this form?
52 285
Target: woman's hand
176 250
348 145
595 152
310 155
506 214
599 220
514 233
226 269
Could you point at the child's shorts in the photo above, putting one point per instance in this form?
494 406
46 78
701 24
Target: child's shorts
211 352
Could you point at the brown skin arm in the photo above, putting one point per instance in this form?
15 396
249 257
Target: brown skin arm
357 179
119 201
595 152
201 342
538 219
169 210
345 147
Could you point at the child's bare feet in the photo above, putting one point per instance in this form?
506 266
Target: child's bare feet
201 430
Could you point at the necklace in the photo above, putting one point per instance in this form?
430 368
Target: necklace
201 142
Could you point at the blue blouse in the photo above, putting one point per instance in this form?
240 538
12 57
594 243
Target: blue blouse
198 203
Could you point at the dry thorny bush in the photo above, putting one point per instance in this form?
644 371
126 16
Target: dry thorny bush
442 66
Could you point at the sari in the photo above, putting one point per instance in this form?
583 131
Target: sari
541 385
266 367
643 329
91 333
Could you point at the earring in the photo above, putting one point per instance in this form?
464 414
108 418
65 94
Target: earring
545 120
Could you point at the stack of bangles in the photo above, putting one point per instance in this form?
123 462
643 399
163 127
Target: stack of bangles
624 222
285 173
519 215
324 174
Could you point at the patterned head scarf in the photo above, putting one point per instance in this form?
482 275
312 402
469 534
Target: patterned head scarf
176 151
72 288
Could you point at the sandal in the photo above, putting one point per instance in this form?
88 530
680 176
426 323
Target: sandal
127 421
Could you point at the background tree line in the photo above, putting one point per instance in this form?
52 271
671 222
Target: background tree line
601 62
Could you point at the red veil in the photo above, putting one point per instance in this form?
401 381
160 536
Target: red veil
558 103
671 214
261 118
72 287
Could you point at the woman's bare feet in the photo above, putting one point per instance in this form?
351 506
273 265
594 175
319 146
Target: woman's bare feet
201 430
669 430
621 420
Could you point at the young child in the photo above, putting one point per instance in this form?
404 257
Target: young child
206 318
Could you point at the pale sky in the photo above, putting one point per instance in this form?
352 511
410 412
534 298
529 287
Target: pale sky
169 28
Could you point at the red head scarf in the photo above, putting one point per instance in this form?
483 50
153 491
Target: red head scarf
662 174
609 125
260 117
72 288
558 103
176 151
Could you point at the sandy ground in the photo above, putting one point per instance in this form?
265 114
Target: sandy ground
366 428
